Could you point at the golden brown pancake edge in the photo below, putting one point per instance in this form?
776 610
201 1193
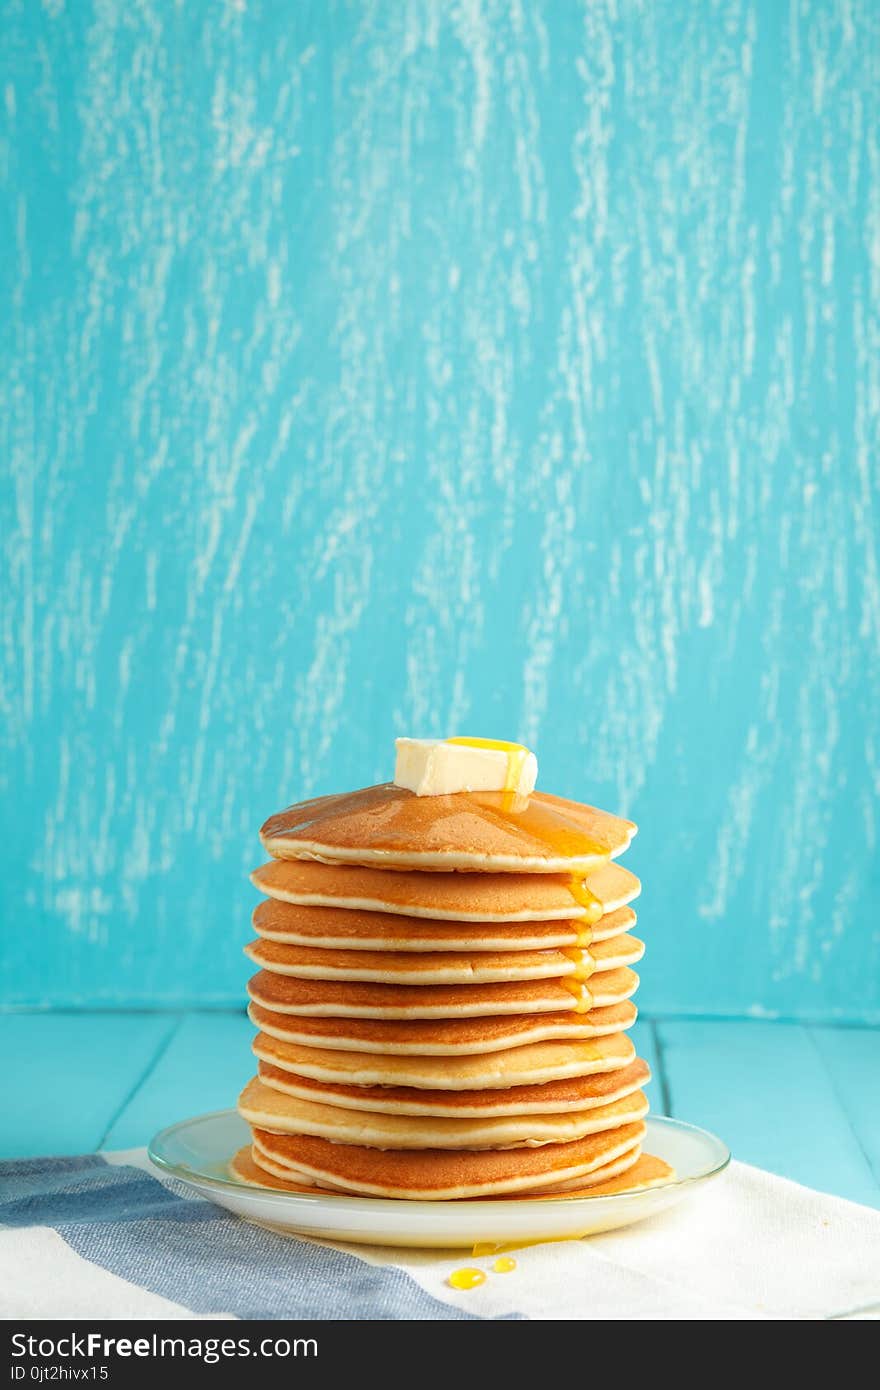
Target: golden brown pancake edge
483 831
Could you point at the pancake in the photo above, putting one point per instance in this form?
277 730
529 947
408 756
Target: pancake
331 1185
443 1174
457 897
448 1037
486 831
265 1108
529 1065
340 999
577 1093
647 1171
243 1167
349 929
607 1180
442 967
610 1181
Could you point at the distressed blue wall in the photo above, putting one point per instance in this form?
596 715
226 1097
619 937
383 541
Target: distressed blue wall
507 368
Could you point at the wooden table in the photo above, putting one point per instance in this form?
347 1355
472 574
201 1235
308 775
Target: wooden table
796 1099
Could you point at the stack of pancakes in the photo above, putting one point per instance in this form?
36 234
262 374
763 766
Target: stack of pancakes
443 994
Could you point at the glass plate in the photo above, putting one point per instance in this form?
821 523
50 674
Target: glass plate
197 1152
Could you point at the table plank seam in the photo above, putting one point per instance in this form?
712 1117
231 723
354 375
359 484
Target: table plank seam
844 1108
140 1080
662 1078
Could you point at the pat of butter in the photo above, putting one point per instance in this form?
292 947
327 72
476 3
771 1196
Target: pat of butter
443 766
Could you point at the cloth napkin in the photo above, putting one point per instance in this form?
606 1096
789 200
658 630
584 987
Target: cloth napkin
104 1235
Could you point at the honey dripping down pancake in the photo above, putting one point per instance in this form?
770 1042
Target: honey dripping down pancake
447 967
454 897
343 928
442 1037
343 999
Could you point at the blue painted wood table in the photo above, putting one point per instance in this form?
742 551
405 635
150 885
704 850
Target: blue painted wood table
798 1100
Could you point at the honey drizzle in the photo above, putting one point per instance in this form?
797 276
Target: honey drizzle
396 822
584 965
583 997
466 1278
583 932
593 907
540 820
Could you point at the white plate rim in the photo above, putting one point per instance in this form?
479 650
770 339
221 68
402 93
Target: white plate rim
500 1206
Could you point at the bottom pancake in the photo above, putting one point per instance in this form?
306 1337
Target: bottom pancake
301 1182
442 1174
647 1171
613 1179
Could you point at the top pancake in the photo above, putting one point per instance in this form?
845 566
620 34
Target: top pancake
455 897
490 832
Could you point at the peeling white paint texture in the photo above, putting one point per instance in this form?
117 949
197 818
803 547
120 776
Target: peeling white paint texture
507 368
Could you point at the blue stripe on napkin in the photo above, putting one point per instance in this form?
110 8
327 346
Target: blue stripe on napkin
192 1252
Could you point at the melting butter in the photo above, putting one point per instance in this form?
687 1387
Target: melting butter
517 757
447 766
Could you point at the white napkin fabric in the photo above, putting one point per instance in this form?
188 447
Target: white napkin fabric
104 1235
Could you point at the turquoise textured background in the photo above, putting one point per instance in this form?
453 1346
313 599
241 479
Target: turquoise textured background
482 367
